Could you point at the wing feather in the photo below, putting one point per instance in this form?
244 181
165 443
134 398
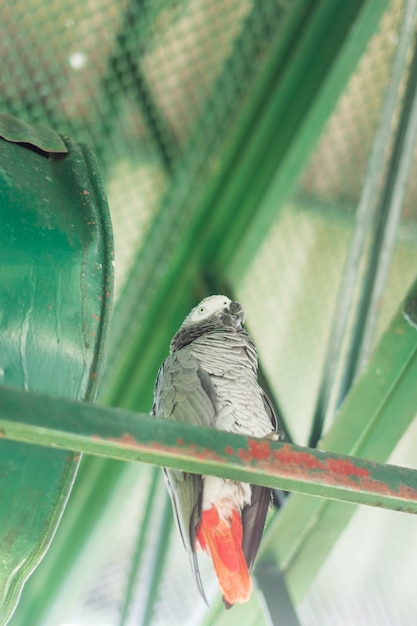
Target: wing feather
270 410
185 492
184 393
254 514
253 522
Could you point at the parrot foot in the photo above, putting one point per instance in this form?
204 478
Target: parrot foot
275 436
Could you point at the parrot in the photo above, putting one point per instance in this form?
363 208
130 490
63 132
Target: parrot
210 379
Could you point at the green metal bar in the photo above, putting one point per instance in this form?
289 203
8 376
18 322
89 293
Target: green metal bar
364 228
124 435
279 608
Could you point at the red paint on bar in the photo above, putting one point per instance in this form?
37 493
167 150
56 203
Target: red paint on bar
258 450
407 492
404 492
126 440
288 456
286 461
346 468
191 450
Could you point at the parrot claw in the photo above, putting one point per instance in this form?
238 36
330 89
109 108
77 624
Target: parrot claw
274 436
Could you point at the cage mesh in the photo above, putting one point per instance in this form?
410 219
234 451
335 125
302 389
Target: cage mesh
150 86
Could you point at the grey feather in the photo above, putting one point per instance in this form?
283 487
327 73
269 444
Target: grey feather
253 522
185 492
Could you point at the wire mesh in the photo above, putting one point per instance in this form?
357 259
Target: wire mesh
149 84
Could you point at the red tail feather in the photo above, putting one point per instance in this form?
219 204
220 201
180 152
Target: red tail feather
223 542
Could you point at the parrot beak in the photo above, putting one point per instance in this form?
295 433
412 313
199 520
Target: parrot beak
235 308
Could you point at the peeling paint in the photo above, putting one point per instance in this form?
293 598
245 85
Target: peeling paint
300 466
345 467
289 456
201 451
258 450
403 492
408 493
128 440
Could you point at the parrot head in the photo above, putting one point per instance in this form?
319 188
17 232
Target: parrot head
210 314
217 307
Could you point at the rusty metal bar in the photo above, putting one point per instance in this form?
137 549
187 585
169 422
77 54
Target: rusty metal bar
38 419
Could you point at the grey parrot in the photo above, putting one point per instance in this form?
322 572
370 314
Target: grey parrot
210 379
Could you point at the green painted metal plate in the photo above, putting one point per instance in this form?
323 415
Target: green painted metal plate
55 293
33 135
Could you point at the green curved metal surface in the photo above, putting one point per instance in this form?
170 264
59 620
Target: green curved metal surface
34 135
55 293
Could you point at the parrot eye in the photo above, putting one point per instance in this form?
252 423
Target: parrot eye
201 309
